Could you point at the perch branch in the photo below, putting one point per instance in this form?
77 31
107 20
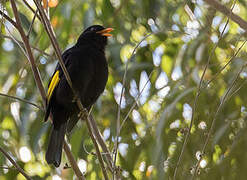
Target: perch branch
33 65
73 162
84 112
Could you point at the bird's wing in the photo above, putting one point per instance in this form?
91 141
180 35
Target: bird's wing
51 89
55 79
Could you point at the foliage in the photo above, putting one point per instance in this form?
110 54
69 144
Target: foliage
170 62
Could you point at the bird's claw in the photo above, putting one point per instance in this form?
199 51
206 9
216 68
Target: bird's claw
83 113
75 98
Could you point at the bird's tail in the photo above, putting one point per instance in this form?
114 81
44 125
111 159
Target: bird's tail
54 151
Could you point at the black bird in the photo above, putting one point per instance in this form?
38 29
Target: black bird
88 70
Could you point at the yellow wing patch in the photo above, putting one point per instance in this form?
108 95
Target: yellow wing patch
54 81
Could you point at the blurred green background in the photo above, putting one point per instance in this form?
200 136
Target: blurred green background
173 57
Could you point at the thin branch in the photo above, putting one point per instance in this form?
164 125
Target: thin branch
8 19
31 25
22 100
21 43
29 7
194 108
236 90
83 111
29 52
221 103
218 6
97 149
16 41
19 169
214 120
136 100
33 65
231 59
101 142
121 96
73 162
6 167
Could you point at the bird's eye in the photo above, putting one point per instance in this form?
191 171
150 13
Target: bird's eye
92 29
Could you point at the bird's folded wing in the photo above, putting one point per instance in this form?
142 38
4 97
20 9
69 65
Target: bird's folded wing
51 88
54 81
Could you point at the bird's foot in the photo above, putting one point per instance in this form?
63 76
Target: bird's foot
83 114
75 98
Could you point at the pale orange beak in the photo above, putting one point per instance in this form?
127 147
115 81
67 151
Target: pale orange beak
105 32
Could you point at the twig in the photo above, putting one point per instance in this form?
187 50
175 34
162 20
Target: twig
218 6
22 100
16 41
29 7
21 43
31 25
101 142
243 83
73 162
231 59
29 52
97 149
121 96
6 167
19 169
195 102
8 19
136 100
221 103
84 112
214 120
31 60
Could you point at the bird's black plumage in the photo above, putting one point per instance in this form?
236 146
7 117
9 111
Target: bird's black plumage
88 70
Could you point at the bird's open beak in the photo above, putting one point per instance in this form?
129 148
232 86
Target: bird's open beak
105 32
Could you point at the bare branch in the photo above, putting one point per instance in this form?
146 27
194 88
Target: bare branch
73 162
19 169
33 65
22 100
231 59
83 111
8 18
29 52
121 97
218 6
29 7
223 99
21 43
31 25
136 100
101 142
194 108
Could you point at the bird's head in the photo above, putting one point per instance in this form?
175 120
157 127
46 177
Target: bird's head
96 34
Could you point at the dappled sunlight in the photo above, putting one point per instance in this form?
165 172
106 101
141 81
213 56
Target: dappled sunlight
25 154
178 68
82 164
